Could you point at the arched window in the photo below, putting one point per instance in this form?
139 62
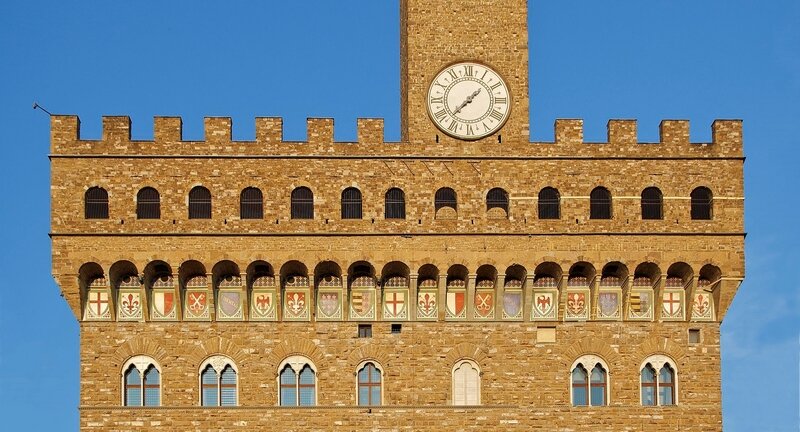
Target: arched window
297 382
395 204
302 203
600 203
95 203
148 204
251 204
141 382
549 203
445 197
702 203
652 204
369 385
351 203
218 382
497 198
199 203
589 382
466 383
658 379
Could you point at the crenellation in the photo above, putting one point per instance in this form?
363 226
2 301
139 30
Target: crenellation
269 130
569 131
116 130
320 131
674 132
64 130
622 133
727 134
167 130
370 131
218 129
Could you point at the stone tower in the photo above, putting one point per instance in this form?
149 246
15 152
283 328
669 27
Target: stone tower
462 279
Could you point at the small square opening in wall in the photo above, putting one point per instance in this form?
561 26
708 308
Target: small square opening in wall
546 335
397 328
365 330
694 336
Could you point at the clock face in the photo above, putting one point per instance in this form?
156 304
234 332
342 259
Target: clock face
468 101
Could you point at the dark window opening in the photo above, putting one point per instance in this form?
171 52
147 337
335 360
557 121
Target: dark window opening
397 328
199 203
652 204
395 204
497 198
445 197
702 203
365 330
251 204
96 203
549 204
302 203
600 204
148 204
351 204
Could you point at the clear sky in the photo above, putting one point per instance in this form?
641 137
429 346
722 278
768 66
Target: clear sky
590 59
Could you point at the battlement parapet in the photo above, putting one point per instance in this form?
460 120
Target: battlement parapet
622 141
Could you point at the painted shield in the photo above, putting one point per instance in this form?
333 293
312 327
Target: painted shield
640 303
608 303
701 307
671 303
426 302
197 303
576 303
394 304
164 303
362 302
130 305
98 304
295 303
544 303
263 303
455 303
484 303
512 303
329 303
230 302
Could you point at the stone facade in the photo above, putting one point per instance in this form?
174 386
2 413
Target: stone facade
110 269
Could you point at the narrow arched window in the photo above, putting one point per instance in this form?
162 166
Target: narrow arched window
648 386
302 203
218 382
152 387
133 387
445 197
297 382
369 385
142 382
251 204
652 203
199 203
466 383
549 203
580 386
96 203
600 203
148 204
351 203
497 198
598 386
702 203
666 386
395 204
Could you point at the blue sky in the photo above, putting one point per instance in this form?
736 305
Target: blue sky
590 59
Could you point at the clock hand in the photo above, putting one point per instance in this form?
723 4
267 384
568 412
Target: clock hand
467 102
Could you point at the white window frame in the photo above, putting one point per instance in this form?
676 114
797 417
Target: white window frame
658 361
458 364
218 363
593 360
297 363
141 363
379 367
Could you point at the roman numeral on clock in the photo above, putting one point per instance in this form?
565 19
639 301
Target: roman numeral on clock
453 126
468 70
437 100
497 115
440 115
497 84
469 130
500 100
452 73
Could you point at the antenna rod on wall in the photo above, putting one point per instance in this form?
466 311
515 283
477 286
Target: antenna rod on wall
36 105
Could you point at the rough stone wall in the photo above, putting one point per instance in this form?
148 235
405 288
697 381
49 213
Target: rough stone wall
524 383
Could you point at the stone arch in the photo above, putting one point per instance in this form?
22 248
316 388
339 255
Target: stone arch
295 346
590 346
660 345
139 345
366 352
213 346
466 351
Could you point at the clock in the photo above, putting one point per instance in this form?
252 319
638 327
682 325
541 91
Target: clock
468 101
